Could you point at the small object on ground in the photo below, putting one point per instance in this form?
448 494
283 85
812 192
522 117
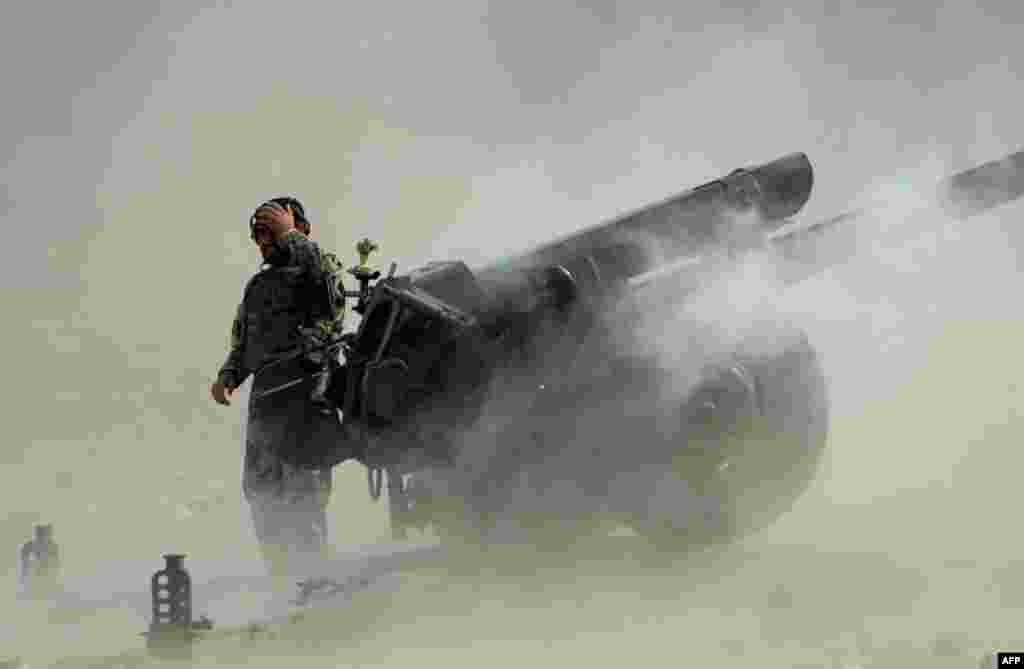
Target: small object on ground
172 629
40 562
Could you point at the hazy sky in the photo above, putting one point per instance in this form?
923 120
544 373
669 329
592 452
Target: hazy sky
508 109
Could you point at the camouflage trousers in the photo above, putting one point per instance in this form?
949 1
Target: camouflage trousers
290 449
289 510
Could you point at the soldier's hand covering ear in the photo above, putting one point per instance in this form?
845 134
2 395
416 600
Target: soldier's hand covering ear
275 218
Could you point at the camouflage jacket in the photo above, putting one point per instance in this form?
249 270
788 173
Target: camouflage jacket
300 286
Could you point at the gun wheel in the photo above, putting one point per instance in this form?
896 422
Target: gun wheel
763 464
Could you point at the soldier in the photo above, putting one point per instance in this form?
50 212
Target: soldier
293 434
40 562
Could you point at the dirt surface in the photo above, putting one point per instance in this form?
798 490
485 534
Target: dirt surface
900 577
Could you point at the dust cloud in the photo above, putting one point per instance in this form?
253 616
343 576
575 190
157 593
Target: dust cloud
474 132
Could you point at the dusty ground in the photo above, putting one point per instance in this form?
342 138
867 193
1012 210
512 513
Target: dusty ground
924 574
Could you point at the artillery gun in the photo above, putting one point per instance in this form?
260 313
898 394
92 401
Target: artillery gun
564 391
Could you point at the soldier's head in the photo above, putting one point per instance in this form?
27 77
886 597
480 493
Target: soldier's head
274 219
298 212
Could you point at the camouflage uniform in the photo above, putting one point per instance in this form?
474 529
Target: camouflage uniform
290 445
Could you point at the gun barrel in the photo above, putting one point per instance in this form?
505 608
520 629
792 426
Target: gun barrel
810 249
681 225
983 187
